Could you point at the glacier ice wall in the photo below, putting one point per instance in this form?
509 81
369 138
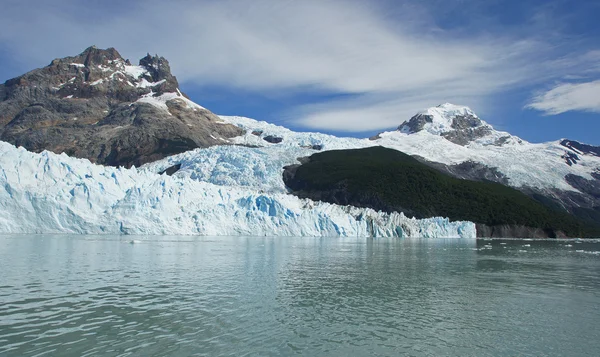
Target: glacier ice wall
49 193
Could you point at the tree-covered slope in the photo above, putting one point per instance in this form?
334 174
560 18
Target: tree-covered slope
389 180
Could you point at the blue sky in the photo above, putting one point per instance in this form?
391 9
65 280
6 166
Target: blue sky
346 67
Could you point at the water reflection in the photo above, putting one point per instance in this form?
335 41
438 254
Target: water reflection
86 296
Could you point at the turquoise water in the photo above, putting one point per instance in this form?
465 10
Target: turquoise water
257 296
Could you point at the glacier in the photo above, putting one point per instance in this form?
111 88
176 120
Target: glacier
524 164
238 189
50 193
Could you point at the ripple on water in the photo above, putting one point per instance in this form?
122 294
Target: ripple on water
265 296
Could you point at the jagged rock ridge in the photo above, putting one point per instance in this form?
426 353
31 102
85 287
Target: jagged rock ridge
98 106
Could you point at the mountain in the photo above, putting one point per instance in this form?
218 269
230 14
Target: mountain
388 180
98 106
226 173
563 174
457 124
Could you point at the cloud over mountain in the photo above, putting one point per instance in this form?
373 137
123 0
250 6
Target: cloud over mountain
381 62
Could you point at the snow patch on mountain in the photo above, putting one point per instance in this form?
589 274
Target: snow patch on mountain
145 84
133 71
160 101
49 193
524 164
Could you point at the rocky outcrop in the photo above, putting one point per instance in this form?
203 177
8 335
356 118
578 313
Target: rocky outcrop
589 187
461 128
98 106
466 135
581 148
272 139
171 170
468 170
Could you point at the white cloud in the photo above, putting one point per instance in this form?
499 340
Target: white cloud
569 97
395 65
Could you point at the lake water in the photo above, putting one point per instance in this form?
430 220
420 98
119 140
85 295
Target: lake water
257 296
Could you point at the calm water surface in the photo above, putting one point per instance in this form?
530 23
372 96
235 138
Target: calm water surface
256 296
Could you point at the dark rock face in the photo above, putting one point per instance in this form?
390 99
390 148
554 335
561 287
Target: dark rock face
570 158
97 106
159 70
272 139
465 136
171 170
416 123
468 170
581 148
465 128
590 187
462 122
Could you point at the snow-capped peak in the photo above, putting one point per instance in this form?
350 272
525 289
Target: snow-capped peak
457 124
442 119
450 111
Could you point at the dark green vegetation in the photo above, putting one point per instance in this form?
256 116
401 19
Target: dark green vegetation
388 180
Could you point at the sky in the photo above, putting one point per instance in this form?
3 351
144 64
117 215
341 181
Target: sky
346 67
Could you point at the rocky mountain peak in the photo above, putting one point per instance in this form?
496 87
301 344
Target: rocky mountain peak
458 124
94 73
442 119
97 105
157 67
95 56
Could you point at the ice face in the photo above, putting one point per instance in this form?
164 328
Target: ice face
49 193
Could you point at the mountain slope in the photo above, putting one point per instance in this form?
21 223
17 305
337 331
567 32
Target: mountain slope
98 106
452 139
388 180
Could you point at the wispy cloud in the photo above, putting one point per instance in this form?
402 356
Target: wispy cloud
569 97
390 66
